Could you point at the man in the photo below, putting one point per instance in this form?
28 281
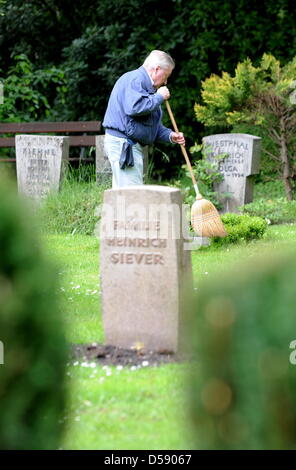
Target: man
133 118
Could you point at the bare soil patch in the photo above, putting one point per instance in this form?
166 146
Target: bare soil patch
107 354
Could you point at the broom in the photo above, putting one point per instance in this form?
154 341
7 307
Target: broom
205 218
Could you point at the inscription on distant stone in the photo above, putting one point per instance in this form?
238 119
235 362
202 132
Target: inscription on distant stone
242 161
39 163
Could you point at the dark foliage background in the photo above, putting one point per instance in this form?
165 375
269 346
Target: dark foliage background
95 41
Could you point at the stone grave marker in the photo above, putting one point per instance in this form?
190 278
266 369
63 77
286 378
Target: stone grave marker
145 271
39 163
238 167
103 167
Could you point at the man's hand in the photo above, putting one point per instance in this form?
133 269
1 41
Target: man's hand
164 92
178 138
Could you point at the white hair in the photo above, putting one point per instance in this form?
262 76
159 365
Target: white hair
159 59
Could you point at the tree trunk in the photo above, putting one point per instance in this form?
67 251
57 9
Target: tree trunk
287 177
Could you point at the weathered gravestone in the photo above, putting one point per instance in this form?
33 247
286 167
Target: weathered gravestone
103 167
145 272
238 167
39 163
1 93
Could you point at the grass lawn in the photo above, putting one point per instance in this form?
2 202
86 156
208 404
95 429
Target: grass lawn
128 408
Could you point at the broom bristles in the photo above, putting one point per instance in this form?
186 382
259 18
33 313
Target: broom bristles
205 219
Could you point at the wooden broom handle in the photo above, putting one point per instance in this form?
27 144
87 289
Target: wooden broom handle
183 148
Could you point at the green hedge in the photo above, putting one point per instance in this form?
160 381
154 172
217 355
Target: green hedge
240 228
276 211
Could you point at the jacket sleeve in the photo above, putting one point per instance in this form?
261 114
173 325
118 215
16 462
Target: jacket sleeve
163 134
137 101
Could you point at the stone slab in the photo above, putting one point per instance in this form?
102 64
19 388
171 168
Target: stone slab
238 167
145 272
39 163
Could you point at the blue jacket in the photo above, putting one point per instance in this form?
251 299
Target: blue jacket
134 109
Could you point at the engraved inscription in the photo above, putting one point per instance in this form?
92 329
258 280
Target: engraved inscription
138 242
141 257
39 165
137 225
38 176
239 160
233 164
137 258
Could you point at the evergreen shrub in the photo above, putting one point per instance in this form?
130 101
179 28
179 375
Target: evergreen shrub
32 390
241 227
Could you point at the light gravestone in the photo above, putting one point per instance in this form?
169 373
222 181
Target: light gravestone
145 272
103 167
238 167
39 163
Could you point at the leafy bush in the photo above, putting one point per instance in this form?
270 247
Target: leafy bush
32 378
29 94
269 190
240 227
277 211
243 330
